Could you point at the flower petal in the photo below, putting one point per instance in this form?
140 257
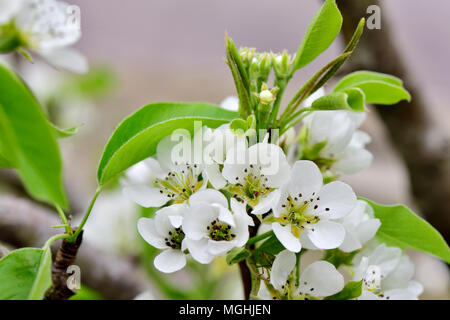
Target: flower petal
286 237
387 258
67 59
209 196
321 279
305 179
198 250
282 266
214 176
338 197
326 234
352 160
146 228
145 196
196 220
170 260
218 248
268 202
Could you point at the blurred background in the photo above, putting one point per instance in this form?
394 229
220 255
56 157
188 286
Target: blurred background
144 51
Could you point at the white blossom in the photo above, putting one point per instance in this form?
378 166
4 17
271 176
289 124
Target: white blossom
386 274
344 152
47 27
211 228
319 279
307 212
253 173
164 232
154 182
230 103
360 227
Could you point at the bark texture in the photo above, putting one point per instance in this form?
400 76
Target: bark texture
423 146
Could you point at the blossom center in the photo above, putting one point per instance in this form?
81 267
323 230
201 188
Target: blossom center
175 238
220 231
179 185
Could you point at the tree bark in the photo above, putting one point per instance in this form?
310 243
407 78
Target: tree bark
23 223
424 147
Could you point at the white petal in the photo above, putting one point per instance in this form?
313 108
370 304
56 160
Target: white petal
165 218
321 279
286 237
263 293
338 197
218 248
230 103
352 160
313 97
415 287
282 266
305 179
273 163
209 196
367 230
8 8
196 220
239 210
146 228
176 221
367 295
170 260
235 163
67 59
268 202
145 196
400 276
350 243
215 176
387 258
326 234
225 215
399 294
198 250
306 242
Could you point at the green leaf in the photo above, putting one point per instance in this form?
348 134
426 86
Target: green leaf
28 141
352 290
25 274
65 133
351 99
378 88
266 252
4 164
337 257
321 32
136 138
400 227
236 255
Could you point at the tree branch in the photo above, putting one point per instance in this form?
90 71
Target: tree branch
423 146
23 223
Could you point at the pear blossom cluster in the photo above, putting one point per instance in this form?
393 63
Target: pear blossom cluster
207 206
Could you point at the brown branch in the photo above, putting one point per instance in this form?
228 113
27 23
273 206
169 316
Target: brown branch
423 146
65 257
25 224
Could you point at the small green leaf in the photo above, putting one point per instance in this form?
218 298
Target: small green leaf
65 133
266 252
352 290
351 99
378 88
25 274
400 227
136 138
238 126
28 141
337 257
321 32
236 255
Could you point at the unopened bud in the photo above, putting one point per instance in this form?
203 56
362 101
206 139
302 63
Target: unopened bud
266 97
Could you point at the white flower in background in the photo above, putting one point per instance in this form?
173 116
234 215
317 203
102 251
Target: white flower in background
360 227
211 228
112 225
344 152
387 274
319 279
255 172
146 295
154 182
307 211
220 141
230 103
164 232
47 27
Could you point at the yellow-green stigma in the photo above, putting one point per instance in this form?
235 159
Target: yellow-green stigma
175 238
220 231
